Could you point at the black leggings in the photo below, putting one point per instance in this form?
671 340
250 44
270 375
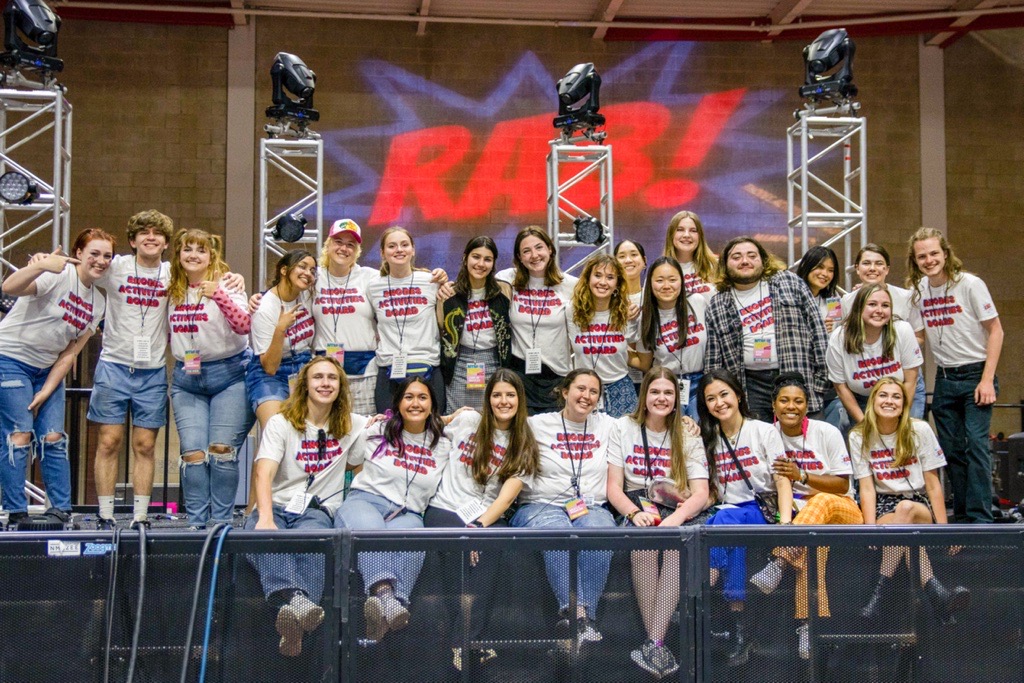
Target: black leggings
480 580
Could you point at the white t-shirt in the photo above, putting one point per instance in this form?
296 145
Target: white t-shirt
757 447
40 327
458 486
199 323
758 320
820 451
406 318
953 315
298 457
631 458
478 330
343 313
878 461
537 315
136 306
599 348
410 478
862 371
692 282
565 453
901 306
672 352
297 338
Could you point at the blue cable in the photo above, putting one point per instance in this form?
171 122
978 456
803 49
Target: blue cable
209 605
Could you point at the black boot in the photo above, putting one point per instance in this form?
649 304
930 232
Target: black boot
883 589
739 652
945 602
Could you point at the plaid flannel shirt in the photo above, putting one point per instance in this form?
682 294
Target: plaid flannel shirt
800 337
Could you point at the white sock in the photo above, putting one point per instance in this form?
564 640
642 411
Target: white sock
106 507
141 507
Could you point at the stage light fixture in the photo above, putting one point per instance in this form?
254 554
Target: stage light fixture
293 84
579 100
30 36
588 230
290 228
16 188
828 68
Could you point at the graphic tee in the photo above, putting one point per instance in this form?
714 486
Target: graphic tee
406 318
820 451
299 335
902 308
879 460
343 314
136 306
757 318
670 349
537 314
478 329
861 371
953 315
757 446
577 450
199 323
630 455
598 347
692 282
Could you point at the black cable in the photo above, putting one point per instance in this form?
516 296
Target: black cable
138 607
195 597
111 594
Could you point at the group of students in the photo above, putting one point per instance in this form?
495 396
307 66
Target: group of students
525 395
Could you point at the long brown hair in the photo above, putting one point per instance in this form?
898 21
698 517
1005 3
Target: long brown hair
214 246
385 267
953 267
583 298
674 421
853 334
906 440
704 260
552 274
522 455
296 408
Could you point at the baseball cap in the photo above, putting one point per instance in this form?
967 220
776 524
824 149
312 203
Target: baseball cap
346 225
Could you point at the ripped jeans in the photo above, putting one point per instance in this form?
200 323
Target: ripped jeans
19 382
213 417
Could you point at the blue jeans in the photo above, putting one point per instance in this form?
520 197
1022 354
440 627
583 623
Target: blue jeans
963 430
363 510
690 409
592 568
19 382
917 405
733 561
302 571
211 408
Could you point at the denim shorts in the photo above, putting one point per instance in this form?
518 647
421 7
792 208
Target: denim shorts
261 387
117 388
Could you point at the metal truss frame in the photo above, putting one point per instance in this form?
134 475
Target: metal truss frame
596 159
827 205
290 156
24 116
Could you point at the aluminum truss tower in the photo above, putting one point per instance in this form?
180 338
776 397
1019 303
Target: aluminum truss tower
25 116
827 180
301 161
595 160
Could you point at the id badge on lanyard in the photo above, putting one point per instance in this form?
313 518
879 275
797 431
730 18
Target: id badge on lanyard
476 377
399 366
193 362
533 366
142 353
337 352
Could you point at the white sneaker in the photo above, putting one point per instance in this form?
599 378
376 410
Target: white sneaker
588 633
803 642
767 580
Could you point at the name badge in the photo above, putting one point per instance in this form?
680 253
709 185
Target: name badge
651 509
532 361
476 378
337 352
834 309
399 366
470 511
193 362
142 352
684 391
577 507
299 502
763 350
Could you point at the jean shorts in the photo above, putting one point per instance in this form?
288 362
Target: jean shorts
261 387
117 389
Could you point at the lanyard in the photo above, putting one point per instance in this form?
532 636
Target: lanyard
194 314
404 322
476 333
681 332
648 477
576 473
344 292
945 293
143 308
534 319
409 480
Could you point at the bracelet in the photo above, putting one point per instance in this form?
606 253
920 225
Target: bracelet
633 514
803 478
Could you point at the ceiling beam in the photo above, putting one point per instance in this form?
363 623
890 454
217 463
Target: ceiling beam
606 14
944 38
786 12
421 29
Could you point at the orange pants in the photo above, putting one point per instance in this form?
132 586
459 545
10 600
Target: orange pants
822 508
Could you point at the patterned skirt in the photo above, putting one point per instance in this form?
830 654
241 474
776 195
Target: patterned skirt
456 393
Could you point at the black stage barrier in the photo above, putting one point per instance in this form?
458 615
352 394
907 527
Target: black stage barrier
65 617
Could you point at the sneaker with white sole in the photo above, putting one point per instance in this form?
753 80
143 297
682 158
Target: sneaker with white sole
643 657
588 631
665 661
803 642
767 580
